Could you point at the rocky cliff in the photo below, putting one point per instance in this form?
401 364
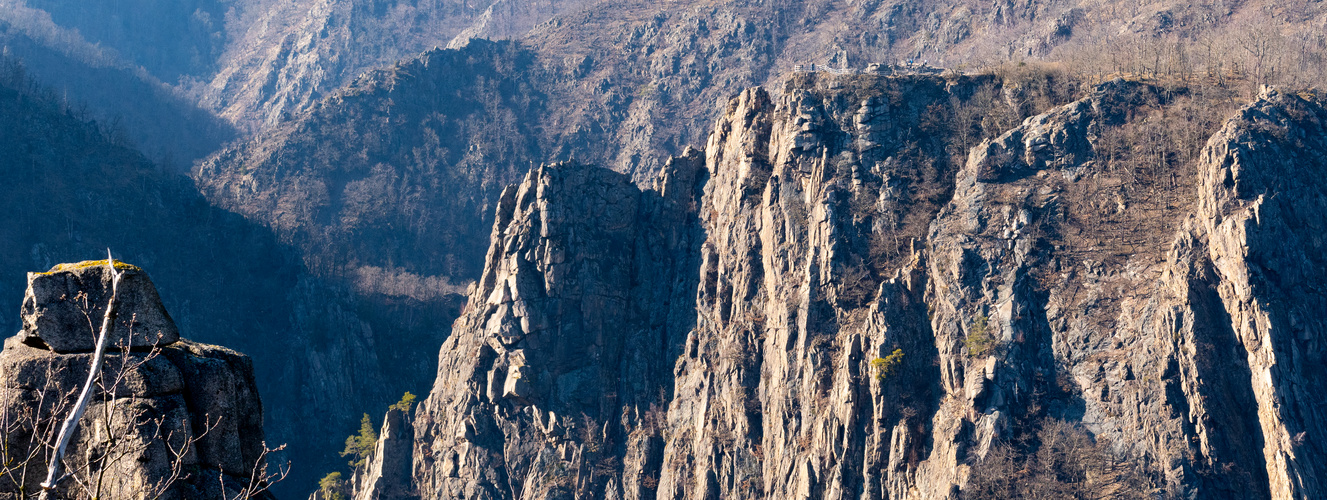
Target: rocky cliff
566 329
835 304
387 472
169 418
378 185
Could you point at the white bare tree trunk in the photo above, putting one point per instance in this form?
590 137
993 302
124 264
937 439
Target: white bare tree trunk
53 472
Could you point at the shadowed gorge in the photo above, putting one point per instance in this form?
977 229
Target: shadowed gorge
225 279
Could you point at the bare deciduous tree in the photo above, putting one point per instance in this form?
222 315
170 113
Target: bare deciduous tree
110 433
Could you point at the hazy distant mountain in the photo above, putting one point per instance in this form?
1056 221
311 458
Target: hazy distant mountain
160 120
257 62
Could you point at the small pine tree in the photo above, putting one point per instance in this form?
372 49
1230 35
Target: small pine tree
405 402
332 487
884 367
980 342
359 446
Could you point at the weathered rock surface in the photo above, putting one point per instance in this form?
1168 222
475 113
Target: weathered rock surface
173 419
1261 213
62 309
1165 307
563 335
387 476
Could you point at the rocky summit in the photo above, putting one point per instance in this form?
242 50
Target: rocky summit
63 307
168 417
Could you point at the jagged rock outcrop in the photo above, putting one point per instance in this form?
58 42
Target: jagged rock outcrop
387 474
1260 212
869 316
557 356
1128 287
812 272
169 418
60 304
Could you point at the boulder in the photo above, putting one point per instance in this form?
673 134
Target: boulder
63 307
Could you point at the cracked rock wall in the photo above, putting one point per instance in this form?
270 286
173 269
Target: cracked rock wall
831 302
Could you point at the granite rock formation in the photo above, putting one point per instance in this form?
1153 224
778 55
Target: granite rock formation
60 304
831 304
564 331
169 418
387 474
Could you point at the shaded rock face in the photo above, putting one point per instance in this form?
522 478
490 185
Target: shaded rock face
1164 307
167 419
1260 211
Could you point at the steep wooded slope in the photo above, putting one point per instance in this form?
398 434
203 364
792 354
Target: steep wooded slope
73 190
158 120
397 170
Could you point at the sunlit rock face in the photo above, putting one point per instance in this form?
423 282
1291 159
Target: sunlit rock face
829 303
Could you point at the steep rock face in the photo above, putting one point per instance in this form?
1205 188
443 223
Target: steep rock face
561 335
873 316
1063 286
813 274
1261 212
498 352
1139 303
167 421
388 473
1058 282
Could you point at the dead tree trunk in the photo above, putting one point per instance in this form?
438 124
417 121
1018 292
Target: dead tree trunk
53 472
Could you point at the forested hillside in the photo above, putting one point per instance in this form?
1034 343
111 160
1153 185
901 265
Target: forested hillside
167 126
321 351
